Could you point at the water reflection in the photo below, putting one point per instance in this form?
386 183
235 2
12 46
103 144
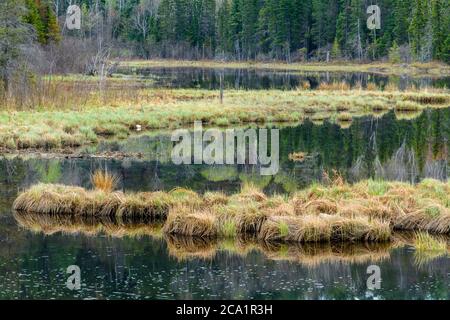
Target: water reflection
248 79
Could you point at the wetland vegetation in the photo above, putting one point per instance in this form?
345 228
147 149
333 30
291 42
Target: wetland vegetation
366 211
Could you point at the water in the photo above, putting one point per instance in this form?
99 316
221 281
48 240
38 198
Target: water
33 267
248 79
131 260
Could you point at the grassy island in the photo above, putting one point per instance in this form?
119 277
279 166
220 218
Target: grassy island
366 211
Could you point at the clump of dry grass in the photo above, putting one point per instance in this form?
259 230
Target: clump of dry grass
251 192
184 222
104 181
371 87
68 200
324 228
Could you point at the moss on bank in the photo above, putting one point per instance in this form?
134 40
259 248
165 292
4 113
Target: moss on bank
366 211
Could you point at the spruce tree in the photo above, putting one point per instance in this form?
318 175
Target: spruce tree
33 17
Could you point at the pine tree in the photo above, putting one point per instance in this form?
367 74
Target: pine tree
167 20
249 14
53 33
439 33
14 33
224 41
418 24
401 13
235 26
323 28
445 55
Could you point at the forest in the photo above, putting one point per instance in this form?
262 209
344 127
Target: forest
286 30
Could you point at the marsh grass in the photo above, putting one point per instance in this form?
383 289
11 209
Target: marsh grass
332 212
117 113
424 242
428 248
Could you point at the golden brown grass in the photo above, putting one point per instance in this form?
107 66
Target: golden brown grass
367 211
104 181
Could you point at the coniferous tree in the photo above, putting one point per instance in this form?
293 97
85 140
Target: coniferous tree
439 31
34 18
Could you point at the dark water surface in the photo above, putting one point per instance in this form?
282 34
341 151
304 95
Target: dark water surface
250 79
117 261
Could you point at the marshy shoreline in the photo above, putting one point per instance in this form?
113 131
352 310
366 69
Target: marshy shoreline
368 211
157 109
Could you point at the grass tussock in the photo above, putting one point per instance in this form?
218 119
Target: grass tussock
104 181
334 211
